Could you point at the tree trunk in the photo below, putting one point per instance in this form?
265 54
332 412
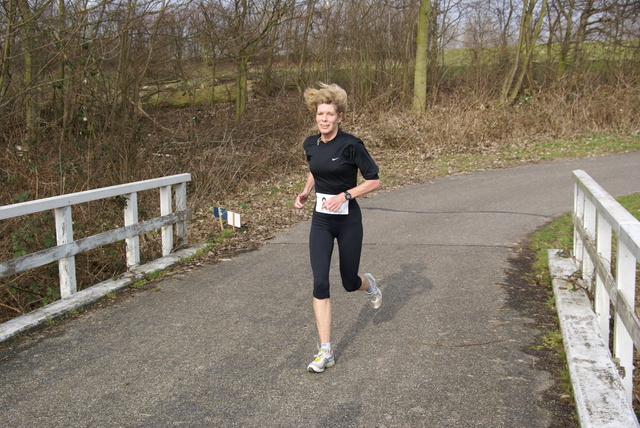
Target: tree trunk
6 51
211 57
525 49
581 33
302 81
248 41
268 69
422 59
432 61
61 88
30 98
241 85
213 79
565 43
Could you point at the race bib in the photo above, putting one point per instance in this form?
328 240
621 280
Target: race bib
321 197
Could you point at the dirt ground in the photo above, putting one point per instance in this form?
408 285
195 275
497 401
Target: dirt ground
532 299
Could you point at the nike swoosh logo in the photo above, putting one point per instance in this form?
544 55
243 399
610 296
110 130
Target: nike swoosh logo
334 159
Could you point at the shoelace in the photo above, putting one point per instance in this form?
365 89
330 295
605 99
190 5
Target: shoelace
322 354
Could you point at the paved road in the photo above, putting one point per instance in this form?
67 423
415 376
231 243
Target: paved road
228 344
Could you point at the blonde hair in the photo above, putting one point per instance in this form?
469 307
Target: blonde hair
326 94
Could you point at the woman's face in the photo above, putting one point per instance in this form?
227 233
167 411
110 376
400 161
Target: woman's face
328 120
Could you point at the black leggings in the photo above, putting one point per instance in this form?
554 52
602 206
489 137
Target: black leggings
347 229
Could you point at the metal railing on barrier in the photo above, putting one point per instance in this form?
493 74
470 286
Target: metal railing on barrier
610 280
67 247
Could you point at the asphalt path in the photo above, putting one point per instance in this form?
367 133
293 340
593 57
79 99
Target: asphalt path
228 344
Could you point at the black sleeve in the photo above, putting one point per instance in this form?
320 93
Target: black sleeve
360 157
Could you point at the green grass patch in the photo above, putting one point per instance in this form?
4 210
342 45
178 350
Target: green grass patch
537 151
154 275
557 234
631 203
224 234
599 54
197 254
590 145
227 233
139 284
190 93
552 339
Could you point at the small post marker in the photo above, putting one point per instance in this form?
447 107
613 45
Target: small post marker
221 214
233 219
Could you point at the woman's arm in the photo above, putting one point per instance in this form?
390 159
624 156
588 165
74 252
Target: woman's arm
302 197
363 188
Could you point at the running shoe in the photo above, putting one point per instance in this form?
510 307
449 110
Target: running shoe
323 360
375 297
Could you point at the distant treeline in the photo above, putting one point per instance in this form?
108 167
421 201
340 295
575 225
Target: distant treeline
73 71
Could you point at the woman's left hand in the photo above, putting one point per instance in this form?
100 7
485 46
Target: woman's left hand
334 203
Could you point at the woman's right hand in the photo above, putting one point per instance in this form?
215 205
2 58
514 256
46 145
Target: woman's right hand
300 200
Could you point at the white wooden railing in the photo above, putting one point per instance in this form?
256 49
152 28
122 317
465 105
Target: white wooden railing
596 215
67 247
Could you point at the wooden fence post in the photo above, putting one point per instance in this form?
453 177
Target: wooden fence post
602 301
578 212
181 205
626 284
130 218
167 231
590 229
67 265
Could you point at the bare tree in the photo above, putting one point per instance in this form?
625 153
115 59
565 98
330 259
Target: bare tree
210 50
249 23
530 26
310 6
28 19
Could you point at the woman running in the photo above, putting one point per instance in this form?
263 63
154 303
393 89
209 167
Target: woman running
335 158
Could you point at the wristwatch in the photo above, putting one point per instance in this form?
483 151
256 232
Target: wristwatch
347 196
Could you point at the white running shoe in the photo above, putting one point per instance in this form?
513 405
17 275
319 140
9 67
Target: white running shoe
375 297
322 361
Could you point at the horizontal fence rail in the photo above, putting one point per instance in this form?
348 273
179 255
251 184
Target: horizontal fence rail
67 247
596 217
